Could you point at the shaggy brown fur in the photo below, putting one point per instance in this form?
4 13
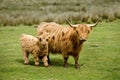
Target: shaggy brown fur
38 47
65 40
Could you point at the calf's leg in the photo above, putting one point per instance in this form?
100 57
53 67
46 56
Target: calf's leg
45 61
36 59
25 57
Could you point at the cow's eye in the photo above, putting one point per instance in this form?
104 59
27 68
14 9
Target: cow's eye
76 31
88 31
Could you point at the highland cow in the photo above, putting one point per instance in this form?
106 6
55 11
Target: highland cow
65 40
37 46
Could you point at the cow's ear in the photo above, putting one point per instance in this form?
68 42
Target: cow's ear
74 28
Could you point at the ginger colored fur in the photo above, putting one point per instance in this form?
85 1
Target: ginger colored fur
38 47
65 40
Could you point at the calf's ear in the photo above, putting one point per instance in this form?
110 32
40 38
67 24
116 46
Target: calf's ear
39 38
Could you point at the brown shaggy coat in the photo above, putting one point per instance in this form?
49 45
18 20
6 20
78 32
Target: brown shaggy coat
38 47
65 40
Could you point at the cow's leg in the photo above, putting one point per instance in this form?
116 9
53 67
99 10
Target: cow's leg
77 66
36 59
65 60
25 57
45 61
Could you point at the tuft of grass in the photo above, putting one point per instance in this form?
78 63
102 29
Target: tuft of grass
100 56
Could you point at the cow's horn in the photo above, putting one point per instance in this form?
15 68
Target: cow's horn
93 25
70 24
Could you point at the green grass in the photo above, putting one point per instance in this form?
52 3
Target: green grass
100 56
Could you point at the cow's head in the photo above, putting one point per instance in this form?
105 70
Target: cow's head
83 30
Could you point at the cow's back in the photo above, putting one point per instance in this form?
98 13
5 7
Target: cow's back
47 28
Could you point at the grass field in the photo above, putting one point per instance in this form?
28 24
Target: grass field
100 56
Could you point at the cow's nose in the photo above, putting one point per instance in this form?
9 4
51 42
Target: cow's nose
82 39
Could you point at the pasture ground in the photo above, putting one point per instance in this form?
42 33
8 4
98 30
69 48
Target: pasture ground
100 56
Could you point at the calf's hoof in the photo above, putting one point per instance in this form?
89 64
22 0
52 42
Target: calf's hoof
36 64
47 66
25 63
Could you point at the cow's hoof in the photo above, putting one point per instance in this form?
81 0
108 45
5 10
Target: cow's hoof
77 66
66 66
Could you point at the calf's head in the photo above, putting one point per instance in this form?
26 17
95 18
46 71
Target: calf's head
43 42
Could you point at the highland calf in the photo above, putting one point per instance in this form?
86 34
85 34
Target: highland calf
65 40
38 47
